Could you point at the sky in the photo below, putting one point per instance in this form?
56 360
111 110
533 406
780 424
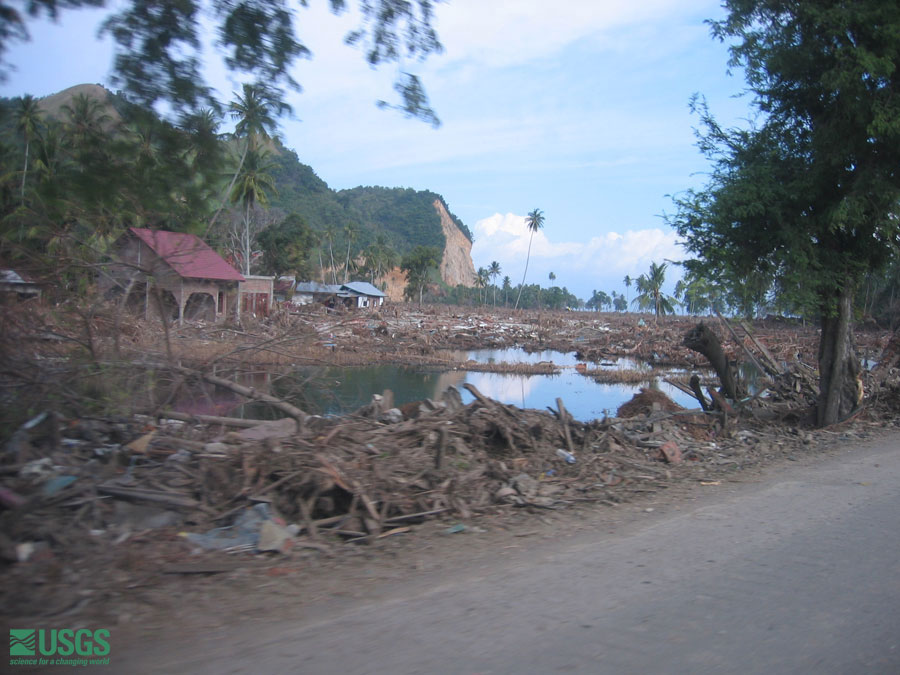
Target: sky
578 108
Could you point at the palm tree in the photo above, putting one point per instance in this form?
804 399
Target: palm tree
204 141
350 231
50 145
256 111
86 117
507 287
319 238
627 281
329 233
28 117
380 257
252 188
533 221
650 287
481 282
493 273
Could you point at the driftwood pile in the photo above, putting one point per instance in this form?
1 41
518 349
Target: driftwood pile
71 484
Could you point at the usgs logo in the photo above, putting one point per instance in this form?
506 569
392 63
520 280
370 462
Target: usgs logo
63 642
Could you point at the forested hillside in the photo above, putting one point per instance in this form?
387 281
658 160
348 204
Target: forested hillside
84 164
405 217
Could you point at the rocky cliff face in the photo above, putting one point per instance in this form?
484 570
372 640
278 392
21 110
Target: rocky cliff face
456 265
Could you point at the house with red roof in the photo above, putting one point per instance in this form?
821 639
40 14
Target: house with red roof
174 271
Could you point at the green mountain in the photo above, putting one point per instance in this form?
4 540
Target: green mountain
405 217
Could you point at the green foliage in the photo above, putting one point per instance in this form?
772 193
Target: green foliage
534 221
650 295
92 171
598 301
417 264
804 199
287 247
101 166
159 45
402 217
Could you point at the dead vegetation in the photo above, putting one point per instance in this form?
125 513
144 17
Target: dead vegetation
148 492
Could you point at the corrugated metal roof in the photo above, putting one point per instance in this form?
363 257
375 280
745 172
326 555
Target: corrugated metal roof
363 288
187 254
315 287
13 277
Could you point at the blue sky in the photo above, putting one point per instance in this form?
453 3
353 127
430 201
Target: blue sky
576 107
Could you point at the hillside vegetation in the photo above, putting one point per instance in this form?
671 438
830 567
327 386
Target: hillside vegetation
86 162
405 217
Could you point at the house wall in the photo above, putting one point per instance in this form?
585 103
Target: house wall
139 262
256 294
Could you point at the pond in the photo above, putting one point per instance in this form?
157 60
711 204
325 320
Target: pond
340 390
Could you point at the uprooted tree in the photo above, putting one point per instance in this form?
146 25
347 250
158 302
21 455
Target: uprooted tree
807 196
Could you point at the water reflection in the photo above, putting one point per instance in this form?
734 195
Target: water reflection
335 391
584 398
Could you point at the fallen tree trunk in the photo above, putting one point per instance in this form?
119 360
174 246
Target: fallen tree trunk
247 392
703 340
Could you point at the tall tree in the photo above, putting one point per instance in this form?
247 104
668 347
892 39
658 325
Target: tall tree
807 195
351 232
534 221
286 247
28 117
252 188
494 272
627 281
330 232
651 295
256 111
481 281
417 264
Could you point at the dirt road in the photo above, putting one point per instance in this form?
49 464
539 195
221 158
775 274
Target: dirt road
796 571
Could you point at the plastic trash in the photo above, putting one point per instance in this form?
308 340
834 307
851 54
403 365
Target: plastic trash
566 455
243 534
54 485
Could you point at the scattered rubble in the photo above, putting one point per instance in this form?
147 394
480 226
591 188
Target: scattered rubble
141 496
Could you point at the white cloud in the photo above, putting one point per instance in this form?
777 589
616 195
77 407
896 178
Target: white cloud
599 263
502 33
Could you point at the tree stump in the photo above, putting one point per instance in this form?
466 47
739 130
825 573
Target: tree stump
703 340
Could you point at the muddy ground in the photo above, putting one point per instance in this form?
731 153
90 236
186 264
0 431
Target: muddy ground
123 520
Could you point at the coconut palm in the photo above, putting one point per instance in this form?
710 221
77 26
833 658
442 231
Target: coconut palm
651 295
204 148
627 281
534 221
255 111
507 287
380 257
330 232
252 187
351 232
493 273
85 119
481 281
28 118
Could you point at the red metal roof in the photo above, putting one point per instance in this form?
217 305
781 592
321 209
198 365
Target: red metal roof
187 254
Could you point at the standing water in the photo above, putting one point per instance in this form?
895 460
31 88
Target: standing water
342 390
